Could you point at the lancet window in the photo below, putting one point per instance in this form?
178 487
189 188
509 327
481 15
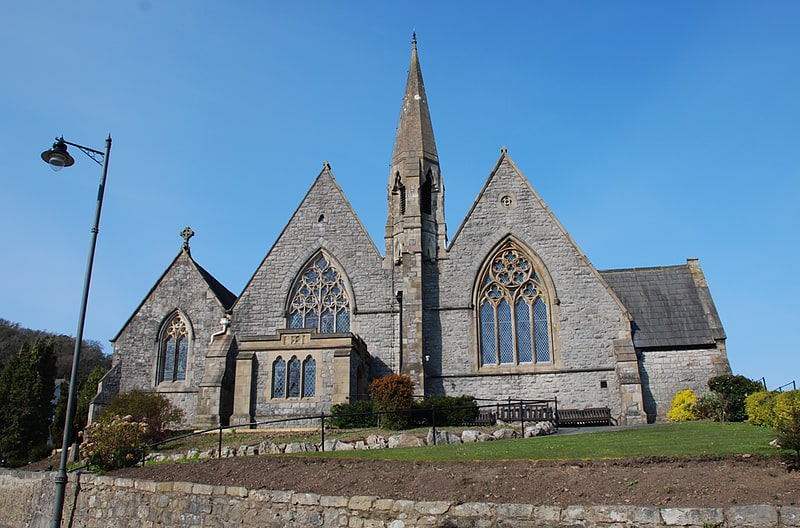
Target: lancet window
294 379
173 350
320 299
513 311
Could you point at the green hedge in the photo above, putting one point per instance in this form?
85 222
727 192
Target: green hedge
450 410
354 415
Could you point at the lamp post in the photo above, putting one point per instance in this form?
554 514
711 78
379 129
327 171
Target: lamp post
58 158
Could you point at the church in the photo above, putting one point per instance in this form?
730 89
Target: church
509 307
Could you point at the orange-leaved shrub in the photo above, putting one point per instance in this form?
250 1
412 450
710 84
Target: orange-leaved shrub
393 392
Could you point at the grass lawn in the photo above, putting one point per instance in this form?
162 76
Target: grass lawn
681 439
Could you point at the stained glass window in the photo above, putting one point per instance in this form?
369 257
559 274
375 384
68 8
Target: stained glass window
320 300
513 314
174 351
293 390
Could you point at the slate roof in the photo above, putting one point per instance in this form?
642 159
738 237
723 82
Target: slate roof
670 307
225 296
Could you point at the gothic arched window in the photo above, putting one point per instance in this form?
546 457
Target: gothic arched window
309 377
278 378
173 350
513 310
319 300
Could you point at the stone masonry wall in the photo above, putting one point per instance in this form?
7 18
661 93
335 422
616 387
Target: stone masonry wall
324 220
666 372
585 320
102 502
136 348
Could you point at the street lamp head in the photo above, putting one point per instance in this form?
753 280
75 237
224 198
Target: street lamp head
58 157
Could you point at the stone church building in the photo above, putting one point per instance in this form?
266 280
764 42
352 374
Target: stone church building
509 307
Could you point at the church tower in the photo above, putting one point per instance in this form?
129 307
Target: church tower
416 234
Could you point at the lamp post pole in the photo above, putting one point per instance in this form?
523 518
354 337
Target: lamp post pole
58 157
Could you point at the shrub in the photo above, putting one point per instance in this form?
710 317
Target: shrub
710 407
760 408
787 411
450 410
732 391
784 405
393 392
150 408
342 415
684 406
116 443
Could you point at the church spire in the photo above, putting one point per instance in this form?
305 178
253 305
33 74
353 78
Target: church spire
415 131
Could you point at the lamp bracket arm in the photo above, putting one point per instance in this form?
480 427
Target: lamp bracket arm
96 155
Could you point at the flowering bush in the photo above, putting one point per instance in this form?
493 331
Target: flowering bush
684 406
116 443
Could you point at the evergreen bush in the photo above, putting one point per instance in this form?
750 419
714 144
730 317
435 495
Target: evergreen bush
684 406
450 410
354 415
732 391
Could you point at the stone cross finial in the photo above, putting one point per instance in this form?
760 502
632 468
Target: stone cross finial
187 233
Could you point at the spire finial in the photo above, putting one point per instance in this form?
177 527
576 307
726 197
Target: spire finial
186 234
414 39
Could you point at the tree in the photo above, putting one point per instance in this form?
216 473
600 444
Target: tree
85 395
12 337
26 409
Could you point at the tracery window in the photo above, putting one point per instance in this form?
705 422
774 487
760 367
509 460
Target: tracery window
173 350
513 311
320 301
293 379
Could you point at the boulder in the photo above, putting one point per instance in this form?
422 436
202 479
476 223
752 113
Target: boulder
405 440
338 445
540 429
299 447
504 434
442 438
468 436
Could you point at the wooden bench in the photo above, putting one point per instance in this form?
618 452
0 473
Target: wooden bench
583 417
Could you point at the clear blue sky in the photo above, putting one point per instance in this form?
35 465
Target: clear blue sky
655 131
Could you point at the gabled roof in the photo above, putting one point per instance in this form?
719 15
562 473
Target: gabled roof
670 305
225 297
415 131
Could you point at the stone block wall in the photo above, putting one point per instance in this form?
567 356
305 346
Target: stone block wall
100 502
666 372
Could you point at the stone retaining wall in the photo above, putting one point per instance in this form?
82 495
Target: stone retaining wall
108 502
